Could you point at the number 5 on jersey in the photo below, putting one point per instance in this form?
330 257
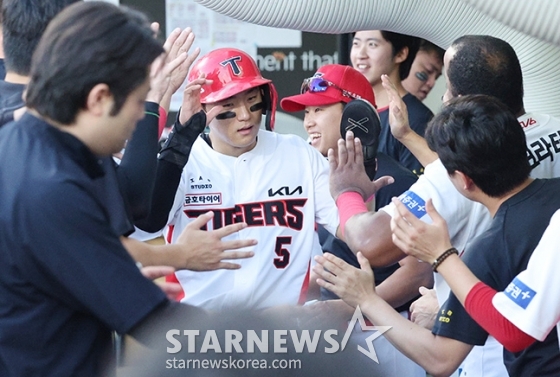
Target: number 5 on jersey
282 252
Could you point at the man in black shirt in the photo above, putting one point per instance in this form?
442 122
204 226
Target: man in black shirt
66 281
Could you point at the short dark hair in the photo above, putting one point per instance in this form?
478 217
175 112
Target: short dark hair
486 65
23 24
86 44
400 41
480 137
431 48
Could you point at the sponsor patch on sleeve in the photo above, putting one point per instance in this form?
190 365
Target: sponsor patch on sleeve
414 203
519 293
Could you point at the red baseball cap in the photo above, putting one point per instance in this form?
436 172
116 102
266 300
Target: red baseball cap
331 83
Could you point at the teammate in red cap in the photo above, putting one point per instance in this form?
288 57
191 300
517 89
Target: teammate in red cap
277 184
327 98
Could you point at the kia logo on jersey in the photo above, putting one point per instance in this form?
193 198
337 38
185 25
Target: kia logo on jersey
527 123
285 191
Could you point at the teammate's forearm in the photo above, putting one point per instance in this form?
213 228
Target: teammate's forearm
418 146
458 276
370 233
155 255
168 176
137 169
415 342
349 204
403 284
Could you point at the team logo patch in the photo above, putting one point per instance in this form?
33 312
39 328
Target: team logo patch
519 293
414 203
232 62
203 199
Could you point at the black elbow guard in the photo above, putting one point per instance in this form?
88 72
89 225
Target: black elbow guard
178 145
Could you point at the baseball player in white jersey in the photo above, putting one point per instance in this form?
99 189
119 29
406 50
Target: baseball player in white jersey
277 184
543 144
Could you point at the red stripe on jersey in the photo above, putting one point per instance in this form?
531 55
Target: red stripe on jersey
169 233
305 286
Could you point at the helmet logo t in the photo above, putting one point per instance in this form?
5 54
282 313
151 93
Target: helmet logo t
233 63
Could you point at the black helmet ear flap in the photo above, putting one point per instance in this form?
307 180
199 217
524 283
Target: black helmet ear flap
270 97
360 117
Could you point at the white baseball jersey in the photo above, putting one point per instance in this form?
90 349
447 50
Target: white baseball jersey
543 144
532 300
280 189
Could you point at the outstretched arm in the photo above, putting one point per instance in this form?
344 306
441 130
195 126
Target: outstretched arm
195 249
190 122
350 186
438 355
400 128
137 170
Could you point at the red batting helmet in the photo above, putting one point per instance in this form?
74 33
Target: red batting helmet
233 71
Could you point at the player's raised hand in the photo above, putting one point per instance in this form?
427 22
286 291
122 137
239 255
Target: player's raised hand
160 71
417 238
347 171
182 45
205 251
398 114
191 101
352 285
170 69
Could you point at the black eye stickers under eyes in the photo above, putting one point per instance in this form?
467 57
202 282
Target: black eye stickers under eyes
422 76
231 114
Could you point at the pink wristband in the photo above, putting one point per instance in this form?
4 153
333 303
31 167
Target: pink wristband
349 203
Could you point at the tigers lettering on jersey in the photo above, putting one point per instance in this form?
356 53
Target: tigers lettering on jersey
543 148
285 213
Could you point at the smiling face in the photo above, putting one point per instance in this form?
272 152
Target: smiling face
425 70
372 55
322 124
238 134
